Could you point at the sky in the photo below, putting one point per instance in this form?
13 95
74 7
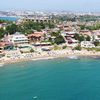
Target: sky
51 5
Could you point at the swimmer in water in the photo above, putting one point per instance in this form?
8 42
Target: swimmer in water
35 97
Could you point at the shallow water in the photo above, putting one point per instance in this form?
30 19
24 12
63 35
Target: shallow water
57 79
9 18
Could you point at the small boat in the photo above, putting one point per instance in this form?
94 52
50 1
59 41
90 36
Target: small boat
73 57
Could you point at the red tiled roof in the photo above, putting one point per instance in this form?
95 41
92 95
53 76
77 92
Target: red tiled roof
36 34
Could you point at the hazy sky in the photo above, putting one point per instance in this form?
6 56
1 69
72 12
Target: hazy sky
68 5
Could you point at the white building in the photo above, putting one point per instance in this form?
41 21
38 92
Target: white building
96 35
87 44
68 34
16 38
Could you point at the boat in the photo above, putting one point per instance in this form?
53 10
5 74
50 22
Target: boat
73 57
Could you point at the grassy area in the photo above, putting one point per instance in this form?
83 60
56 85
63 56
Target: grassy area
93 49
56 47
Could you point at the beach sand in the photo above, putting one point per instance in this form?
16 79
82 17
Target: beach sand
49 55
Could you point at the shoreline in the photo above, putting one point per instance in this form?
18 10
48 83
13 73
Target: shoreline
47 57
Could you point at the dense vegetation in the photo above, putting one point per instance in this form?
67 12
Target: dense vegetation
92 27
25 28
5 21
87 18
58 39
81 38
73 18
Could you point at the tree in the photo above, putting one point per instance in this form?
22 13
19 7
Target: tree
2 32
64 47
51 25
59 39
82 27
55 34
12 28
76 36
88 38
37 25
78 47
79 37
96 43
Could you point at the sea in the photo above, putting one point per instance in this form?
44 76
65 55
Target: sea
52 79
9 18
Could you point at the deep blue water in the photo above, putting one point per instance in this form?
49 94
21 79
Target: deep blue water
9 18
57 79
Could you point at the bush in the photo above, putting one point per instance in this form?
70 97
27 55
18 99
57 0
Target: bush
56 47
31 50
79 37
78 48
64 47
59 40
97 49
96 43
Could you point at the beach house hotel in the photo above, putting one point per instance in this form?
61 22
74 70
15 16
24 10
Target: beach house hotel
16 39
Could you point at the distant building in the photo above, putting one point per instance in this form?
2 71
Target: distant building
38 19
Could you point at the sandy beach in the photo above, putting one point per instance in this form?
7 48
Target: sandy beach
48 55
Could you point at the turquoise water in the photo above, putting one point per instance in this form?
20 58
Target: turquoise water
9 18
57 79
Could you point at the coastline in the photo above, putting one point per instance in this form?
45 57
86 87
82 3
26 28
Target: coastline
9 18
51 55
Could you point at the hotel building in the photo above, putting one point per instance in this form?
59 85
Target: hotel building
16 39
